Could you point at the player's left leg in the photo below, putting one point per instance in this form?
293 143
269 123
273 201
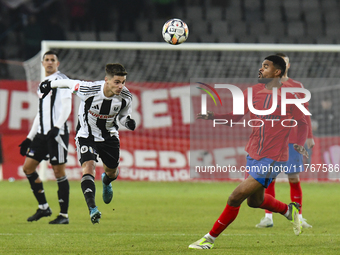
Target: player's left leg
87 155
291 211
267 220
63 194
107 177
89 189
58 158
269 170
230 212
296 195
295 166
109 153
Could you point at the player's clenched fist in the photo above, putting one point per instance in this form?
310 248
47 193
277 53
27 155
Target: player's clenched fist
45 88
208 116
24 146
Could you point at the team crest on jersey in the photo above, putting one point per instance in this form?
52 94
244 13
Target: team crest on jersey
84 149
116 108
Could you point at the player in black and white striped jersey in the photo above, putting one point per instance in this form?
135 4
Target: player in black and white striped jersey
48 138
103 104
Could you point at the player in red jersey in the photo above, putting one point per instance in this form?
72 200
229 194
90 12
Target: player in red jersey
267 151
295 158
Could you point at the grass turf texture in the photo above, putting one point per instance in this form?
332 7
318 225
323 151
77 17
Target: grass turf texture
164 218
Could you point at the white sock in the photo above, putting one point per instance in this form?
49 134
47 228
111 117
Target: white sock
300 216
287 213
65 215
43 207
269 215
210 237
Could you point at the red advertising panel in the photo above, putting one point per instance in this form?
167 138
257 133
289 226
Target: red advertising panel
159 148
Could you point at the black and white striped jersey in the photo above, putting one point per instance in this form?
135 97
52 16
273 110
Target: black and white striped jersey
50 107
98 114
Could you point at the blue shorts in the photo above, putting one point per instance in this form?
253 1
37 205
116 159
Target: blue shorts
265 169
295 161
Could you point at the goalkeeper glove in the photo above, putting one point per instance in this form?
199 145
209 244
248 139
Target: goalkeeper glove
130 123
45 88
52 133
24 146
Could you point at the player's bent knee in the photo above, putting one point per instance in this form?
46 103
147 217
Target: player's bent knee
88 167
234 200
254 203
27 170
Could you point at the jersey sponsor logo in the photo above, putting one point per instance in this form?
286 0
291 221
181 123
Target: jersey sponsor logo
84 149
54 158
101 116
88 94
95 107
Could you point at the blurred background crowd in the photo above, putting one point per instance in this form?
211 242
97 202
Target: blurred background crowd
24 23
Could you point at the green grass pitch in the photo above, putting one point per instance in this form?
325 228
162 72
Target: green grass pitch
164 218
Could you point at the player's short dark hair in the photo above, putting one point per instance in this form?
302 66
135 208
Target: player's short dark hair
115 69
278 63
51 52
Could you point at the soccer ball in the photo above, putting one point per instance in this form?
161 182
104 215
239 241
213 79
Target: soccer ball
175 31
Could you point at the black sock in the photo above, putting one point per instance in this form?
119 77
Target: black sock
63 193
107 180
89 189
37 188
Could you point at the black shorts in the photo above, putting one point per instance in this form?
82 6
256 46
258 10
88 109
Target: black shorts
43 149
108 151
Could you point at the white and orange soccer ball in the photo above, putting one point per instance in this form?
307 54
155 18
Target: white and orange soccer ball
175 31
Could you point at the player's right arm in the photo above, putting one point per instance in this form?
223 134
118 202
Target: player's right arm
27 142
46 86
310 141
34 128
302 131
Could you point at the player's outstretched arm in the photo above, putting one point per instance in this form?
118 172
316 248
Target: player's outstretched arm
208 116
46 86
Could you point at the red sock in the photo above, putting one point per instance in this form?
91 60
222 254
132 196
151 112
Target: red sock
228 216
296 193
273 205
270 191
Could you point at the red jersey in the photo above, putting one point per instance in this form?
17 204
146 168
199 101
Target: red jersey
269 139
293 137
